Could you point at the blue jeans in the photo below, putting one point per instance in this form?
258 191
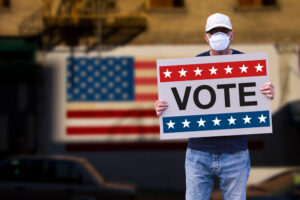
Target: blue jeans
232 169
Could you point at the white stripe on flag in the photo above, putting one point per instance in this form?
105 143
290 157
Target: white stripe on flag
112 122
111 106
146 89
143 73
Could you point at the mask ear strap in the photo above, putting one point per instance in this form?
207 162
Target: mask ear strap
231 36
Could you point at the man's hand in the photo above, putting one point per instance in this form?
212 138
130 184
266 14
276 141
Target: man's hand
268 90
160 106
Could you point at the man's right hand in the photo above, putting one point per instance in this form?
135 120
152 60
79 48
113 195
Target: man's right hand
160 106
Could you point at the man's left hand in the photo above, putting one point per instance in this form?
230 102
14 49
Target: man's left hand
268 90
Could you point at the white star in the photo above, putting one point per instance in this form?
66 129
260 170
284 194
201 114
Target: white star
262 118
182 72
228 70
243 69
231 120
171 124
259 67
213 71
201 122
216 121
247 119
186 123
167 73
198 72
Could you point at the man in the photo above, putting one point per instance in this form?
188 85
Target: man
226 157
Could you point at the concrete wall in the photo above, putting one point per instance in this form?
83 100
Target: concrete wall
186 25
289 72
11 18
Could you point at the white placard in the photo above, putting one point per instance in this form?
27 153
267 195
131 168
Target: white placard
214 96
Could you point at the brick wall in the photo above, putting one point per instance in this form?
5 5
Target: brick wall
277 24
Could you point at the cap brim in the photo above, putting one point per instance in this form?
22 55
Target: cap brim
219 25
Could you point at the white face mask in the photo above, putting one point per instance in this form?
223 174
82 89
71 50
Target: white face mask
219 41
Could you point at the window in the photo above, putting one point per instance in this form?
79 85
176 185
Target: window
158 4
256 3
22 170
4 4
111 5
40 171
63 172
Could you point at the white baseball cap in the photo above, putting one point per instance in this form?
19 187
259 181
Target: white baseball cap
218 20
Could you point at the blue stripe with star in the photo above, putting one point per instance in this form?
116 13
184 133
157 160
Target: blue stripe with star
221 121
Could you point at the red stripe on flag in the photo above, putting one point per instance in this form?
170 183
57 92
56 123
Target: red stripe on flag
146 81
173 72
146 97
145 65
127 130
110 113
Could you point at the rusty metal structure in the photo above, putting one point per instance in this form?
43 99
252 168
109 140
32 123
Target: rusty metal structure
88 22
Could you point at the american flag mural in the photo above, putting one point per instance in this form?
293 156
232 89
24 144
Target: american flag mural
111 98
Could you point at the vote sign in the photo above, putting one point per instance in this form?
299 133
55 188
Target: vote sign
214 96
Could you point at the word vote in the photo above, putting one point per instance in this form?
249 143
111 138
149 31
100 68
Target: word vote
182 102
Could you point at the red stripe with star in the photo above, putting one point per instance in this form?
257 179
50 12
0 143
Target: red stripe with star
212 71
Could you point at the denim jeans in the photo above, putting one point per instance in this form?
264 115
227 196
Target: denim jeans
232 169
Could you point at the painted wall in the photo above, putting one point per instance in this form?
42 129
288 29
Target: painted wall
154 169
